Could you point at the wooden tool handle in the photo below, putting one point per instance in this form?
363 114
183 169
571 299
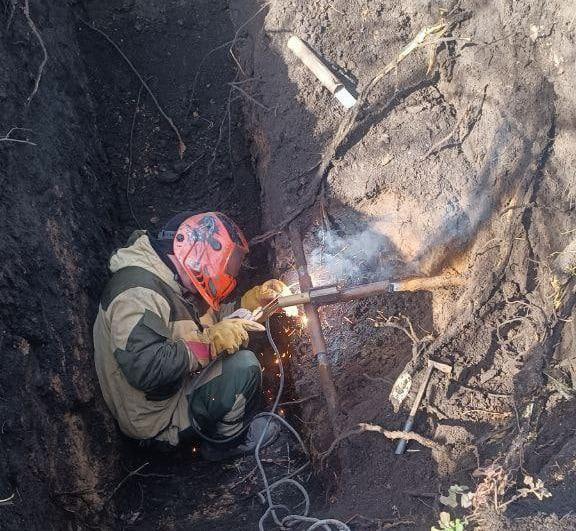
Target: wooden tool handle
314 63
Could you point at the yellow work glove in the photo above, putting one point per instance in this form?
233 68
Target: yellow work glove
231 334
264 294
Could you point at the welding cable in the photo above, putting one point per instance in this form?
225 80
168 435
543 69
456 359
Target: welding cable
291 519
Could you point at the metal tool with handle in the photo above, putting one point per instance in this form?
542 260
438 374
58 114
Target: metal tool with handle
336 293
443 367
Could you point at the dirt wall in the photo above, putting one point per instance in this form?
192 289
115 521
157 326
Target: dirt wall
56 214
467 167
456 161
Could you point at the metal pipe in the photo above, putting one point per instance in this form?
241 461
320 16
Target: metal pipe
315 330
334 294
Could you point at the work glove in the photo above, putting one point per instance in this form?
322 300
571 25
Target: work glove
230 334
260 296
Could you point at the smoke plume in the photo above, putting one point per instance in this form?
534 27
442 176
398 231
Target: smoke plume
365 256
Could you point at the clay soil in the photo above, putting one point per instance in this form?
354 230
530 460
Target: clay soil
458 161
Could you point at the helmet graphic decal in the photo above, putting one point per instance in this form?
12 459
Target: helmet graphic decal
211 247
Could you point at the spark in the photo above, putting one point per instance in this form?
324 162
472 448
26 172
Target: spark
291 311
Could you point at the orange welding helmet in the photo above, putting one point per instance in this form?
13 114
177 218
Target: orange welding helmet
210 247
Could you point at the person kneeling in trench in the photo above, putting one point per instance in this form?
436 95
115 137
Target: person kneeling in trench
171 358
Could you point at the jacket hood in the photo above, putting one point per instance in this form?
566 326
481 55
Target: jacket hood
139 253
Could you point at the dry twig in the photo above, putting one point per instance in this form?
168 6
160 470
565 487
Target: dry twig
8 136
226 116
418 343
124 480
251 98
197 75
11 15
389 434
455 132
299 401
8 501
443 143
129 170
26 10
240 28
243 479
181 145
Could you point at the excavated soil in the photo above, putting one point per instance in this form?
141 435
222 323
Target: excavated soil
456 162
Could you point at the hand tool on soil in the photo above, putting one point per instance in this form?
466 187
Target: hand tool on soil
317 66
443 367
336 293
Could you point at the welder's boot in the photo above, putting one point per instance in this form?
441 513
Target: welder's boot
221 452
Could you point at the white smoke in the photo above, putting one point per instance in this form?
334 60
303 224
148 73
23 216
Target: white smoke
365 256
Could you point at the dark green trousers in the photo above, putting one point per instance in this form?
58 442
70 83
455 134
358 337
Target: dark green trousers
225 396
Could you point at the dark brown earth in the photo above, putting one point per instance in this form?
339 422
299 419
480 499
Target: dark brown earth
98 172
493 202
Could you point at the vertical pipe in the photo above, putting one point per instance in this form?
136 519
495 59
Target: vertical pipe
315 330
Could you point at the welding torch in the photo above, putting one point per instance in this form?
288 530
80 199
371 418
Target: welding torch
335 293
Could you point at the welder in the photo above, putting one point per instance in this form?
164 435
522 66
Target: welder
171 355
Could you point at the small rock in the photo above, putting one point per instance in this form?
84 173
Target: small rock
488 375
167 177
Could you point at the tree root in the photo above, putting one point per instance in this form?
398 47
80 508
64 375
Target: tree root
422 39
8 136
32 25
181 144
389 434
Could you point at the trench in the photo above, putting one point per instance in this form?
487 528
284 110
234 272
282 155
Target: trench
93 158
178 48
130 176
221 172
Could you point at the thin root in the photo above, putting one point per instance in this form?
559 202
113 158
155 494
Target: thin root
181 145
389 434
8 137
26 10
346 127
